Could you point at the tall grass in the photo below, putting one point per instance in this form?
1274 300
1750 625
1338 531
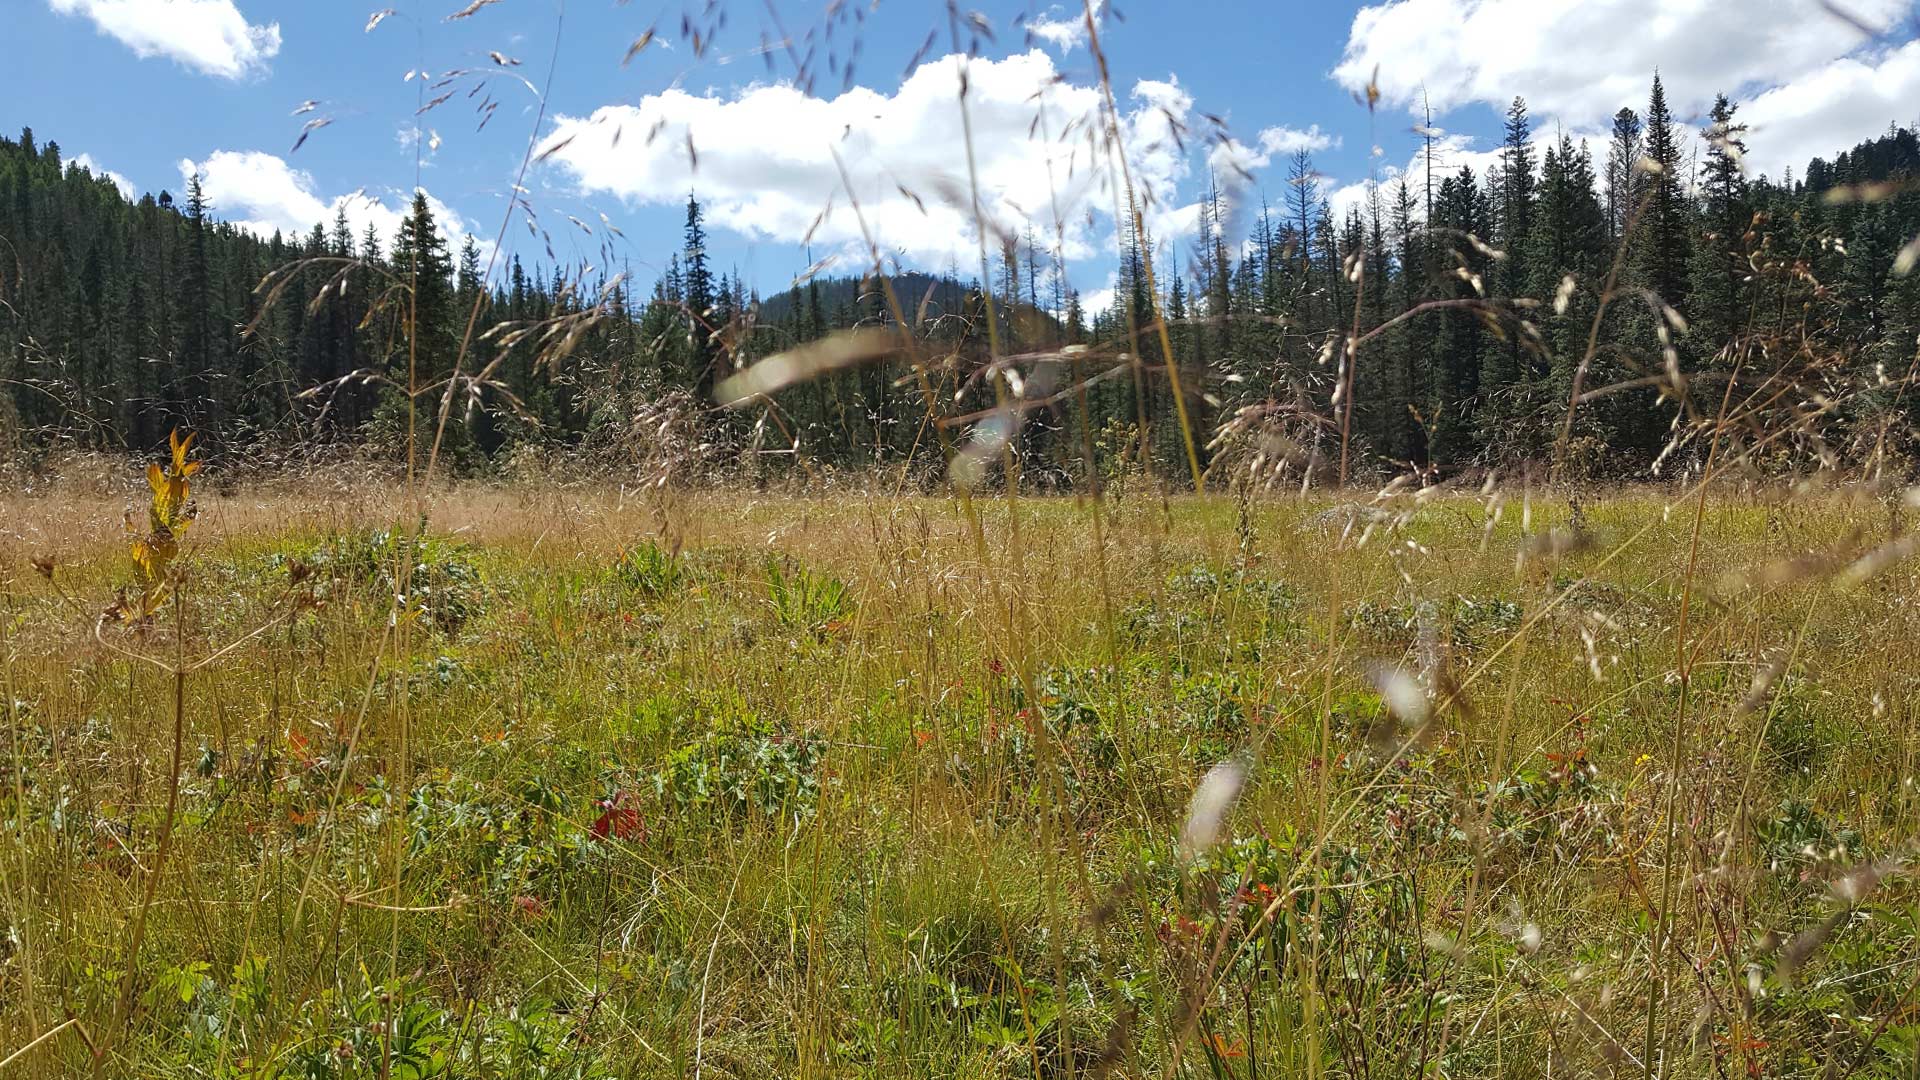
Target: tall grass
533 781
650 828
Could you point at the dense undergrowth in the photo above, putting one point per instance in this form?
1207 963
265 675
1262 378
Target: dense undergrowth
740 787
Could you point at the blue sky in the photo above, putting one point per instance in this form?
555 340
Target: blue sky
149 88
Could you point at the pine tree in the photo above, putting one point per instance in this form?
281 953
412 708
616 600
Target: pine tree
1411 391
1569 241
425 341
698 299
194 366
1720 273
1461 209
1516 197
1661 243
1624 176
1303 195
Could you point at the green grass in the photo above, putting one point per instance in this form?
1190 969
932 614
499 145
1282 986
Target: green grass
849 788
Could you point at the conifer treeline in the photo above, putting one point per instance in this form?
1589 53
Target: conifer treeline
1475 294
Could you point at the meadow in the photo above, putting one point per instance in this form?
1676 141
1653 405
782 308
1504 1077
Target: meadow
948 678
576 782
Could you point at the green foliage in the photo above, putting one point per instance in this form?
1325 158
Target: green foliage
806 600
755 769
443 585
1462 621
1197 600
649 571
1797 836
1797 734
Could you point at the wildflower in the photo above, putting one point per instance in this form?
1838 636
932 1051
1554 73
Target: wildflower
619 818
1224 1049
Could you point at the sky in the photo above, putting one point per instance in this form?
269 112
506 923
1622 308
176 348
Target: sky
817 133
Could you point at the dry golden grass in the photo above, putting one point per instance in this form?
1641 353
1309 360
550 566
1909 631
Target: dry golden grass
779 786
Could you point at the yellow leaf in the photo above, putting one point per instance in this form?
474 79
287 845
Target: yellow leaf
179 447
143 558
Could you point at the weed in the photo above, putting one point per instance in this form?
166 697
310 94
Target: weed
806 600
649 571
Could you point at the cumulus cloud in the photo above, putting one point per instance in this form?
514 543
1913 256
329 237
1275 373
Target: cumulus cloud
209 36
1099 301
1831 108
1577 59
1230 155
1811 84
764 158
125 185
1349 197
1231 164
1064 28
1286 140
261 193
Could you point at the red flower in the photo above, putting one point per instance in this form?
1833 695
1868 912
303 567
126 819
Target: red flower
1225 1049
298 745
619 818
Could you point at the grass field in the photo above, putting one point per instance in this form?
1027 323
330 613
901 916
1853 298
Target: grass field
742 787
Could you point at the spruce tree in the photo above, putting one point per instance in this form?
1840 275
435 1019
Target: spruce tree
1517 195
1624 176
193 367
697 298
1721 290
1569 241
1662 243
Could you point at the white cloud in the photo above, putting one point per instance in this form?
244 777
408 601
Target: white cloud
1232 163
1230 155
209 36
1830 109
1286 140
125 185
1348 197
1806 86
766 158
1064 28
261 193
1583 60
